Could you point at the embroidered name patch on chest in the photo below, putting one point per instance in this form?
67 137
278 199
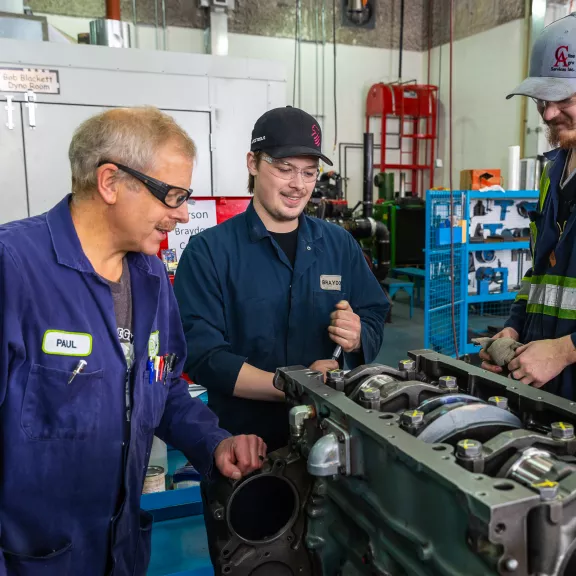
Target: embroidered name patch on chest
330 282
67 343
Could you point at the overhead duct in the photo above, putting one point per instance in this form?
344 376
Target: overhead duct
217 33
110 31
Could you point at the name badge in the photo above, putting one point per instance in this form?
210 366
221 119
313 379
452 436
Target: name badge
330 282
67 343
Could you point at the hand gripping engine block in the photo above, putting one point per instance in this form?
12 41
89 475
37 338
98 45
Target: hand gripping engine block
434 468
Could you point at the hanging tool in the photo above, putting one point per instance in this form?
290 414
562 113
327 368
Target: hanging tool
518 255
479 209
524 208
493 228
486 256
478 234
504 205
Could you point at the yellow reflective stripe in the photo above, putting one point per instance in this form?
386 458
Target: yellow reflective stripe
544 186
524 290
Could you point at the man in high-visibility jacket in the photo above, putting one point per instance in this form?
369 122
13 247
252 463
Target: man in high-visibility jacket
543 316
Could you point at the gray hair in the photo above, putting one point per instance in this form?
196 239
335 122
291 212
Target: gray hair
129 136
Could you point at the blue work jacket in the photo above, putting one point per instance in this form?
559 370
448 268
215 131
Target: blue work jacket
74 456
241 301
546 303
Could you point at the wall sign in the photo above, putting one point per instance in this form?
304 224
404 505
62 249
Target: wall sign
29 79
202 215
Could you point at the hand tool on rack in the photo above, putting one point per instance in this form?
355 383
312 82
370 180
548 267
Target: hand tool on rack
493 228
504 205
524 208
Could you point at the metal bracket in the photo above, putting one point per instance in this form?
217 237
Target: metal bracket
343 438
10 109
30 99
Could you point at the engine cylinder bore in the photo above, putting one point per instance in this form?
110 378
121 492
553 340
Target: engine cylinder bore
263 508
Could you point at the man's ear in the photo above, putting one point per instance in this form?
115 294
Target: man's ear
107 183
251 163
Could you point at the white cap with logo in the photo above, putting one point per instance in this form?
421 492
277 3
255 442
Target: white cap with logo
552 63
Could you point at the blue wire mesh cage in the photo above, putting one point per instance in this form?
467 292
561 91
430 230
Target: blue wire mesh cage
444 259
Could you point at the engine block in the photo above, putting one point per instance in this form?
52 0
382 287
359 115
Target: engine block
432 468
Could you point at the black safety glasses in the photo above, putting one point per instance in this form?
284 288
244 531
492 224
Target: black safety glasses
171 196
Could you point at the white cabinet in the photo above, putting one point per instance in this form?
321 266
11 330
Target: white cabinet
46 151
13 200
215 99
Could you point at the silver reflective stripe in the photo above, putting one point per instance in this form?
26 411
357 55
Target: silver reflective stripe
553 296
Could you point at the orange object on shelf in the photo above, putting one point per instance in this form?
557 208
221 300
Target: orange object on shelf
480 178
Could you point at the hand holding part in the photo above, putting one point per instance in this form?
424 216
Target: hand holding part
238 456
489 363
540 361
345 327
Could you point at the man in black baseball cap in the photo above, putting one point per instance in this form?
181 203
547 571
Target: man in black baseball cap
273 287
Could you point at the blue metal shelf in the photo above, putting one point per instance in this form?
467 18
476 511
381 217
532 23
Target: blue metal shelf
496 297
481 246
445 307
516 195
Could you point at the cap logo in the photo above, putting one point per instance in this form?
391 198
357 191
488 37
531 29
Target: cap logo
259 139
316 134
562 63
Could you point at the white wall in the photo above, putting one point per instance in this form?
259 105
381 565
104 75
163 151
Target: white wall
358 68
486 67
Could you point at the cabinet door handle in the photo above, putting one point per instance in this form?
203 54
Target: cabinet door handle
10 109
30 98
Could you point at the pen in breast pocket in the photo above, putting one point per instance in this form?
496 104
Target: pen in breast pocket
79 367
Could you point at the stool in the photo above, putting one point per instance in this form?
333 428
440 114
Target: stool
392 286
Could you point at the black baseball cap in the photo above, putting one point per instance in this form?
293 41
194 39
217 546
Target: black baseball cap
285 132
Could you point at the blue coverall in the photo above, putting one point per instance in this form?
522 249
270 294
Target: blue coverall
73 457
241 301
545 306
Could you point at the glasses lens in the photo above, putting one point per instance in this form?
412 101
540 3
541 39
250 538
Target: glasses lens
176 197
287 172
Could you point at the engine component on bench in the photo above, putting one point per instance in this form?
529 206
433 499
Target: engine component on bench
435 467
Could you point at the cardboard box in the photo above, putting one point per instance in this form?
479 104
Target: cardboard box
476 179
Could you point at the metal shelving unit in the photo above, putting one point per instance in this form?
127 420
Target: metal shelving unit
443 325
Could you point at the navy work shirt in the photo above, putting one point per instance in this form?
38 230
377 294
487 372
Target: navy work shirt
241 301
74 456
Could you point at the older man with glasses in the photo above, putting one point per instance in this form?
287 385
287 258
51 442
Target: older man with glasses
543 316
91 354
273 287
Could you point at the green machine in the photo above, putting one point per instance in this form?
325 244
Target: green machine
405 218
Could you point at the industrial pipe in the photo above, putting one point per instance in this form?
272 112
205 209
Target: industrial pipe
362 228
367 191
113 9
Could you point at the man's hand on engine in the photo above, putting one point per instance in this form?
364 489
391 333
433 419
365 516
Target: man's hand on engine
345 327
487 361
239 455
325 366
540 361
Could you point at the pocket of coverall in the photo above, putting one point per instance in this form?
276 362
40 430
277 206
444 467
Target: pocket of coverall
54 564
144 544
153 400
55 410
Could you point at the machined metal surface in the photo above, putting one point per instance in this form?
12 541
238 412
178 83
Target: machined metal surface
475 479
